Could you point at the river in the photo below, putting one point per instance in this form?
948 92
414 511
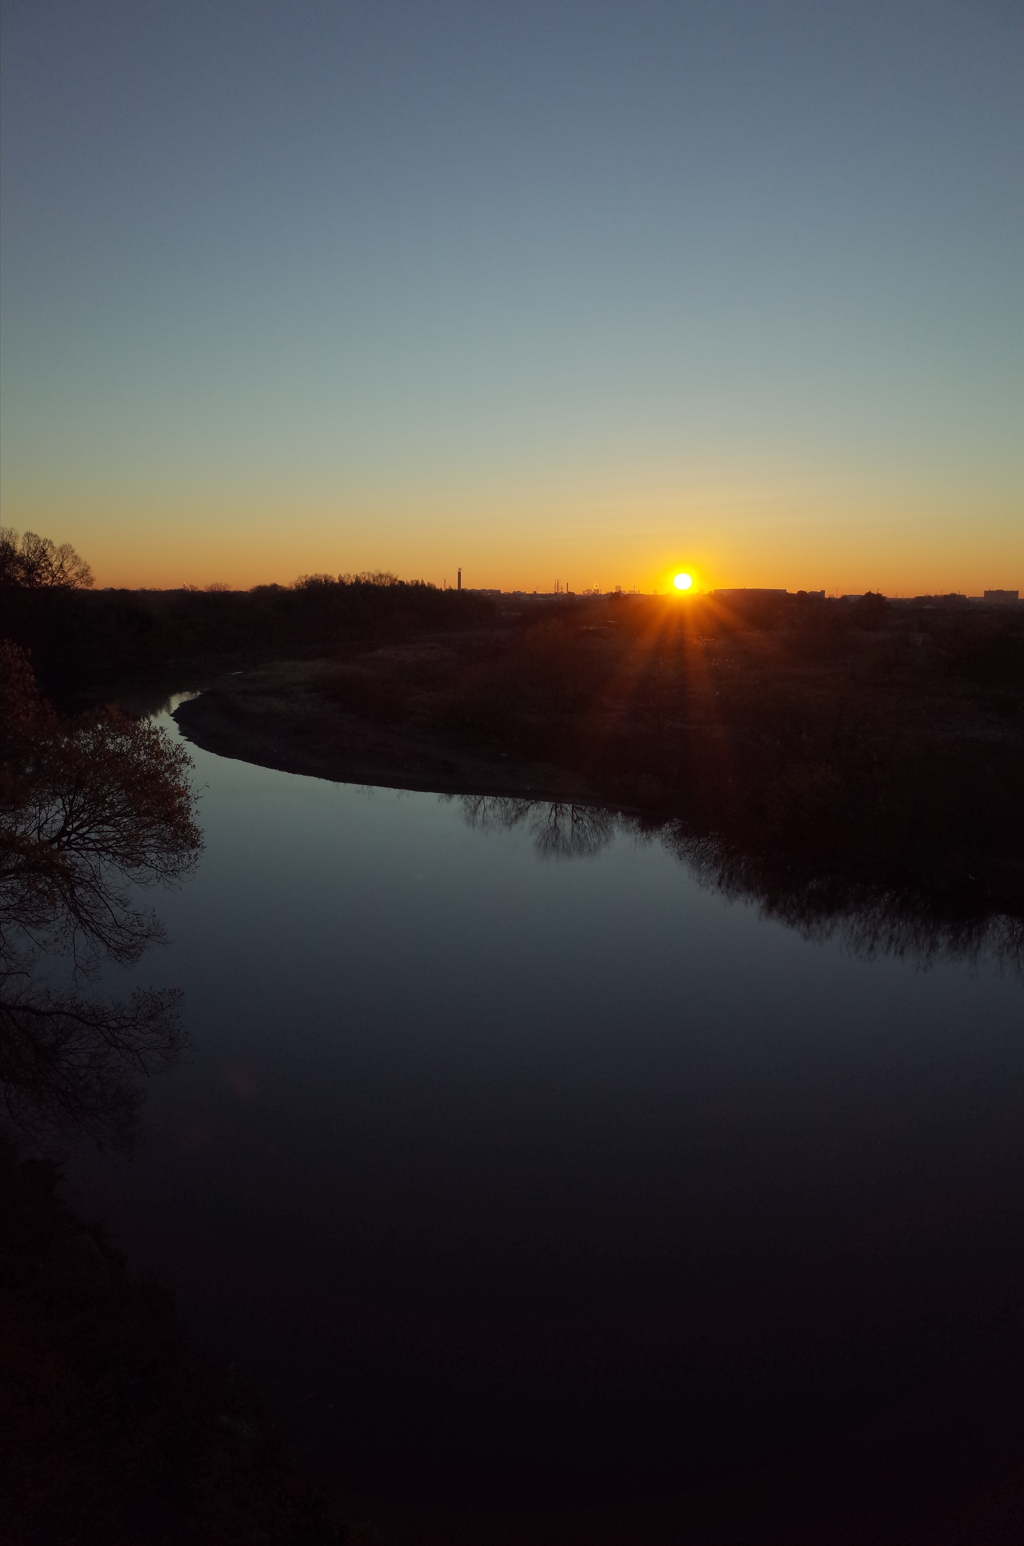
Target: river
491 1161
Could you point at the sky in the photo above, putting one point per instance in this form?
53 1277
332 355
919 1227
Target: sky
577 291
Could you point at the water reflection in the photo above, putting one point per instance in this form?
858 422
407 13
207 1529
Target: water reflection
560 830
915 922
871 921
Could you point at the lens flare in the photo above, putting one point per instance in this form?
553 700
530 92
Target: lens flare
683 581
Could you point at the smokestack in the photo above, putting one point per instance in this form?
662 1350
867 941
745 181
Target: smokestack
460 579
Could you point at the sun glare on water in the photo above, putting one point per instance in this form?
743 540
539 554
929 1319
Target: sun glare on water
683 581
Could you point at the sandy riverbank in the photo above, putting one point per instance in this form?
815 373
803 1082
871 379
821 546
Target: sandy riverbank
286 716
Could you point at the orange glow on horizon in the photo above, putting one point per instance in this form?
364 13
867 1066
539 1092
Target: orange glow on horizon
521 541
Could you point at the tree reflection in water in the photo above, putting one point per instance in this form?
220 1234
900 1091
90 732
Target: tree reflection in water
918 921
91 810
560 829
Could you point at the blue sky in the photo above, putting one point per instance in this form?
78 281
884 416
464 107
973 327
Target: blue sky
578 290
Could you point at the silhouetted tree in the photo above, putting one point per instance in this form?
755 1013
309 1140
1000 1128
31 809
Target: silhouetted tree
38 564
90 809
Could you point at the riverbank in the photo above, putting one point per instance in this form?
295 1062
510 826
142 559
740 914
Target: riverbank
885 754
346 722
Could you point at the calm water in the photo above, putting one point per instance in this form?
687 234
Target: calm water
473 1147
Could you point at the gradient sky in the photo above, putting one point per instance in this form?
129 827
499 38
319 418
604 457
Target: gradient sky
588 291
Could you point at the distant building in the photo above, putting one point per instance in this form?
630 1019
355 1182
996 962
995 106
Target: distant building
742 591
1002 598
953 599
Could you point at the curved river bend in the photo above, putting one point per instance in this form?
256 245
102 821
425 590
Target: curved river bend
489 1166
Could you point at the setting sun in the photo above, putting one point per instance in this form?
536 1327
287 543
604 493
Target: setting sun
683 581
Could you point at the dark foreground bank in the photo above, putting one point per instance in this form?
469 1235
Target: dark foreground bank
111 1432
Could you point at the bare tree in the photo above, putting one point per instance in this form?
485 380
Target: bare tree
38 564
10 557
89 811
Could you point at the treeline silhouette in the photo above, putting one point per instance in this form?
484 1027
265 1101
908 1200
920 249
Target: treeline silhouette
86 644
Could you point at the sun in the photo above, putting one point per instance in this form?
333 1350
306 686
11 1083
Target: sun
683 581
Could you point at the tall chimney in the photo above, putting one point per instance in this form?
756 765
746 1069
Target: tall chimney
460 579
